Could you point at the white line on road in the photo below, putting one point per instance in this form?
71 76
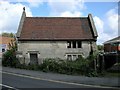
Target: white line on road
8 86
56 81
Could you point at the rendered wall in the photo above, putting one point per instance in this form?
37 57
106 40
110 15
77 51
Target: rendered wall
50 49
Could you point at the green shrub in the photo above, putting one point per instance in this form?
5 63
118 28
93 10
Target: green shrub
80 66
9 59
32 67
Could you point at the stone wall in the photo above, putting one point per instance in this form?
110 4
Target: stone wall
50 49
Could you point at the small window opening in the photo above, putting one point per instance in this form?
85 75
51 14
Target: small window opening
74 44
3 50
68 44
79 44
69 57
74 57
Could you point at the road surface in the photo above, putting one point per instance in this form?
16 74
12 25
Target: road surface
16 81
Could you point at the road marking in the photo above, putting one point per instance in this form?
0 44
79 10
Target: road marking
8 86
56 81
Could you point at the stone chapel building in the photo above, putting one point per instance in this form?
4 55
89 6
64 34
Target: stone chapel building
55 37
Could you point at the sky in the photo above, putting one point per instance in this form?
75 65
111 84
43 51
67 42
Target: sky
105 13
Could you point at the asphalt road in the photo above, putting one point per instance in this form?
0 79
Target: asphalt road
19 82
24 82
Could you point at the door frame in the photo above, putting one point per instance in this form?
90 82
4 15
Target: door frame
33 52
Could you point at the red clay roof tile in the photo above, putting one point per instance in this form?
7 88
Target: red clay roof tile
56 28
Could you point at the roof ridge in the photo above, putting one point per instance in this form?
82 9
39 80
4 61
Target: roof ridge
113 39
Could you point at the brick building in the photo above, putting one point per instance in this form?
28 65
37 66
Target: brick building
112 46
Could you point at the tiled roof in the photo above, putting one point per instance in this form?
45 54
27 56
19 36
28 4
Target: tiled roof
5 40
56 28
114 40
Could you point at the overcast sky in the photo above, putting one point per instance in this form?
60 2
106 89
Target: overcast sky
105 14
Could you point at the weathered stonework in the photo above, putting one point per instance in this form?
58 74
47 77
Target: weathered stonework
39 38
50 49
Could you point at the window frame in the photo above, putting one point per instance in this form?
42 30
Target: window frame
69 58
74 44
69 44
3 50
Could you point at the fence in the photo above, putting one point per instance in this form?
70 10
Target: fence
108 60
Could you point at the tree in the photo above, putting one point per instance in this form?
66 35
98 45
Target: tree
100 47
11 35
8 34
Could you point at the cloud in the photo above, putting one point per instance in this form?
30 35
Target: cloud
71 14
34 3
119 18
11 12
10 15
107 27
112 22
99 24
67 8
100 29
62 5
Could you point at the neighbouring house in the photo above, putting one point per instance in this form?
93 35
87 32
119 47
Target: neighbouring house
4 44
112 52
55 37
112 46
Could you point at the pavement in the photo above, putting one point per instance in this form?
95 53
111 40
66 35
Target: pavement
99 81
